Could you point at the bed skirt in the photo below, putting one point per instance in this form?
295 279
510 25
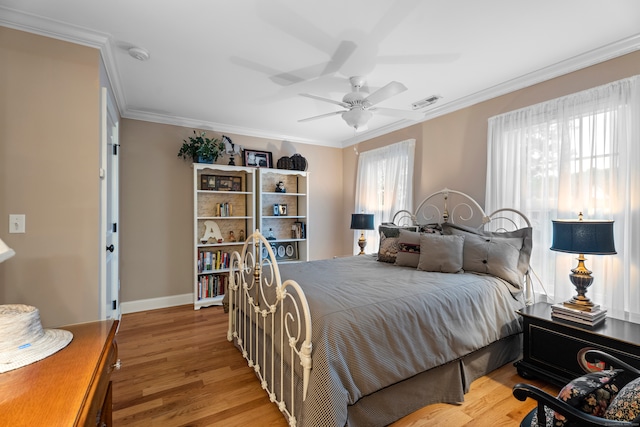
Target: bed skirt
444 384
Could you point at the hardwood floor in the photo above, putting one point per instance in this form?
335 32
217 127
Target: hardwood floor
178 369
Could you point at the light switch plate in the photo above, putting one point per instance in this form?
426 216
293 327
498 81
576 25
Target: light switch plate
17 223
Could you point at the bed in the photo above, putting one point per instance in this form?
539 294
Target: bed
366 340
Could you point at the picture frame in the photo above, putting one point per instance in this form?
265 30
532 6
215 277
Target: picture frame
282 251
286 251
220 183
256 158
279 209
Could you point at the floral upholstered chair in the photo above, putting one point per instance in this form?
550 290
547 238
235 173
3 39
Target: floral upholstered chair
608 397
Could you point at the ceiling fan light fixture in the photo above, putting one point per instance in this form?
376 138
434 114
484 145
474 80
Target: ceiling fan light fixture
357 118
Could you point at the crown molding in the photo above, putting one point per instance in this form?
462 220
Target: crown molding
221 127
35 24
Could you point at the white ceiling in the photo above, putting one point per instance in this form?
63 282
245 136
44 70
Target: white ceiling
239 66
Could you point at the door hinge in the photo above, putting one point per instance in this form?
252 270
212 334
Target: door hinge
115 149
114 305
114 227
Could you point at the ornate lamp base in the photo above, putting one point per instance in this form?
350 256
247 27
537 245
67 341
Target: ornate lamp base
581 279
362 242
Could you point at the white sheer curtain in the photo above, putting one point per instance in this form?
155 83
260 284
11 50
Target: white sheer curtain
579 153
384 185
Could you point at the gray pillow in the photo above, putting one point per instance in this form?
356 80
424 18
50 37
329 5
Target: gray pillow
389 241
505 255
441 253
408 249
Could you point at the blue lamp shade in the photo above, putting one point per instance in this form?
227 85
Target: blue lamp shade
362 221
583 237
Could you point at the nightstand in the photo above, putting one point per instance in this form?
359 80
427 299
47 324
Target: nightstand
550 346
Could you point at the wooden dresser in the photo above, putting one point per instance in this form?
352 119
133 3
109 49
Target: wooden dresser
69 388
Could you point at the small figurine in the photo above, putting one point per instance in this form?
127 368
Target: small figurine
271 236
231 237
280 187
241 235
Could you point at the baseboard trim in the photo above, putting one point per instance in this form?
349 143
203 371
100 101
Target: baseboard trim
155 303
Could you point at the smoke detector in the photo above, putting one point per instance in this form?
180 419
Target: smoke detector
425 102
139 53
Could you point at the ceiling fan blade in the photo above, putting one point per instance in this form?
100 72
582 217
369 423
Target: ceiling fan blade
320 98
340 56
385 92
403 114
430 58
321 116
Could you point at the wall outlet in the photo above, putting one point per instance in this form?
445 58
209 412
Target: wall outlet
17 223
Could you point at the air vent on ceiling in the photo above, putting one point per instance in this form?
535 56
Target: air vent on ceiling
426 101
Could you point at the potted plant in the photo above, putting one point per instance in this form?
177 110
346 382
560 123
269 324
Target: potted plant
201 149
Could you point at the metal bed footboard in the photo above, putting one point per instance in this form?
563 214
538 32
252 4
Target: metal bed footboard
270 322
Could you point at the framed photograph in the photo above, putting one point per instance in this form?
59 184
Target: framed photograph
259 159
207 182
282 251
220 183
286 251
279 210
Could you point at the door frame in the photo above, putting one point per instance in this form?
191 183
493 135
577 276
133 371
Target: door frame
109 203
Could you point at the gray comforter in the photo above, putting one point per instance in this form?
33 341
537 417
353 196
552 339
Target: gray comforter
375 324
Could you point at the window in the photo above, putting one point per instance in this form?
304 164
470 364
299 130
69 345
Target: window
579 153
384 185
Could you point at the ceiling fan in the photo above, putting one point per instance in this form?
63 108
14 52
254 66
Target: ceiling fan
359 105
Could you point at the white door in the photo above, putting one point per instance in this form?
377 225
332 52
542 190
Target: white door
109 172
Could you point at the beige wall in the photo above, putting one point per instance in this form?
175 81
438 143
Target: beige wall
49 154
451 150
156 205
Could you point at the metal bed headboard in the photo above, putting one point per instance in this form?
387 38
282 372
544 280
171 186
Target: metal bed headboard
456 207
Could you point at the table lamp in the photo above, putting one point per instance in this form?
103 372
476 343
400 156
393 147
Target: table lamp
362 222
582 237
5 251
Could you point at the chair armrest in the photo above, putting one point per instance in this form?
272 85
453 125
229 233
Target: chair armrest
523 391
585 355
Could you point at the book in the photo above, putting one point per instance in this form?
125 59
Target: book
580 320
587 309
594 314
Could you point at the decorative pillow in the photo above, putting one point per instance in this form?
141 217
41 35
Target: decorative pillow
505 255
389 241
441 253
430 228
408 248
626 405
592 394
550 420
